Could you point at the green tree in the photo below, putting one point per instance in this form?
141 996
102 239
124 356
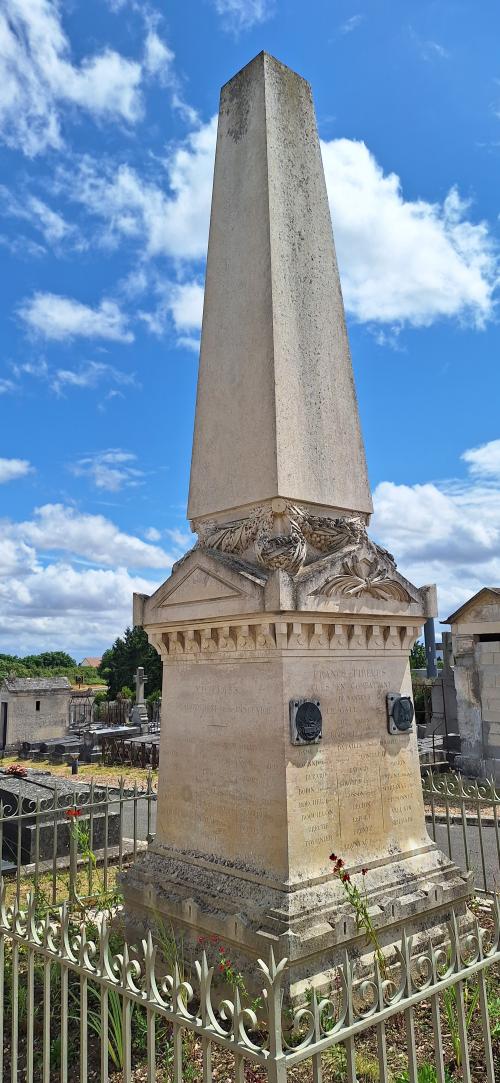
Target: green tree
49 660
418 659
119 663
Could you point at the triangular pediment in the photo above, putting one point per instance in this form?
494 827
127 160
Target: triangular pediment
204 584
477 606
197 584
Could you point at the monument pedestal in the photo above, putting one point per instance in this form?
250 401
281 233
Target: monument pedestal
246 819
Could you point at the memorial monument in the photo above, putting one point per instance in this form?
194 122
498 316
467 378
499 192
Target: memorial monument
287 720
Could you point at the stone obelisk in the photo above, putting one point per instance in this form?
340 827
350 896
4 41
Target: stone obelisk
286 709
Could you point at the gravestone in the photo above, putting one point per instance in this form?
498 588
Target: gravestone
139 715
287 726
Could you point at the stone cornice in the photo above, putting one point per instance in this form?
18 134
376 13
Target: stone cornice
211 641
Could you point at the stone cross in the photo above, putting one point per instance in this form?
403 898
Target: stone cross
140 681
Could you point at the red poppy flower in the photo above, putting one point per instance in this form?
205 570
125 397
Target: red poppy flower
346 879
364 872
201 939
221 949
73 813
214 939
333 857
221 967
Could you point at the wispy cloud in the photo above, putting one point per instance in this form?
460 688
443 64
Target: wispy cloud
428 48
62 318
51 224
111 470
240 15
351 24
91 375
12 469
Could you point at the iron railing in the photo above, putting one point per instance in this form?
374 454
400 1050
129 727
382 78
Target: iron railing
463 817
42 852
70 998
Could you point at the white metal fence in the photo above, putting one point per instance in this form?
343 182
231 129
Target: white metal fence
464 819
76 1009
70 844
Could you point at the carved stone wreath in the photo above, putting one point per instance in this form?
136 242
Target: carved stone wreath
286 544
365 577
282 550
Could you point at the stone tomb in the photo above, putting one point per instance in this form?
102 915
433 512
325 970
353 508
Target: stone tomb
286 623
475 631
19 796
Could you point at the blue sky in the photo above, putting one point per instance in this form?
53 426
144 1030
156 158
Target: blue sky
107 122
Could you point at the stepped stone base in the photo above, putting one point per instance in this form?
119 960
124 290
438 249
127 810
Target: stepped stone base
308 923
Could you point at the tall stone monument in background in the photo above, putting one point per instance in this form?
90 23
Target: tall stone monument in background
285 632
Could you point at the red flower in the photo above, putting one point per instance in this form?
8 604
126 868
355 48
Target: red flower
333 857
346 879
201 939
364 872
221 967
214 939
340 863
73 813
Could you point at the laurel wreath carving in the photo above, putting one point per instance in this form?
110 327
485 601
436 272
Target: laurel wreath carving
284 551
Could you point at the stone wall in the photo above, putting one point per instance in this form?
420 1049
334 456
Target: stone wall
26 723
476 650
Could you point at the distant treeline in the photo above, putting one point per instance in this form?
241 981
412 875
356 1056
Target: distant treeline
47 664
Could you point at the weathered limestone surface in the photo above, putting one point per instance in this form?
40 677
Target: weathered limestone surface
284 595
275 368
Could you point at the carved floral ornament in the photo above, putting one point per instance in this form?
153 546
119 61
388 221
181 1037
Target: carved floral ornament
210 642
282 536
365 577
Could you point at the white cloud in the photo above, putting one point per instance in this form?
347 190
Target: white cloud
186 305
445 532
405 261
111 470
57 528
402 261
11 469
242 14
158 58
67 577
484 461
152 534
164 224
62 318
38 78
71 608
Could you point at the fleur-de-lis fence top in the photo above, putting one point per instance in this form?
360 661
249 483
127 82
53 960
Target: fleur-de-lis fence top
356 999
